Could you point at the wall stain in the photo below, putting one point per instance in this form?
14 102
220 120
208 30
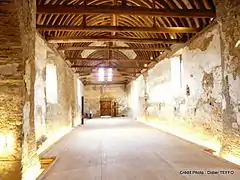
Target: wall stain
201 43
207 81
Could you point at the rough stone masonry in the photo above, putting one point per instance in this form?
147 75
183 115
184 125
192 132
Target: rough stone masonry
17 55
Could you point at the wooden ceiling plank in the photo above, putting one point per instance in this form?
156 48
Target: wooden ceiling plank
126 10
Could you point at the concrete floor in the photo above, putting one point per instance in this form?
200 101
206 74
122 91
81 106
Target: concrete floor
121 149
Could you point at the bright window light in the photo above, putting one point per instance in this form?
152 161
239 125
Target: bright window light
51 84
79 92
101 74
109 78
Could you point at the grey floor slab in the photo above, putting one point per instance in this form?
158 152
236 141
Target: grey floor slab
123 149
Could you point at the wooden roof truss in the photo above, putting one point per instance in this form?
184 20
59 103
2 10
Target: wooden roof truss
146 28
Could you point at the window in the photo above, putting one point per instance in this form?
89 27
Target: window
109 78
51 84
101 74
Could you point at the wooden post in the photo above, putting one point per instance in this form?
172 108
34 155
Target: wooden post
83 114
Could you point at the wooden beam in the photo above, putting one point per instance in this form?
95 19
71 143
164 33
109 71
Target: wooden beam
119 29
124 3
84 22
97 75
114 19
126 10
78 39
89 66
108 83
72 48
113 78
97 59
114 72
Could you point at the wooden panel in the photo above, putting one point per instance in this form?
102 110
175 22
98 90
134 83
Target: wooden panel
105 108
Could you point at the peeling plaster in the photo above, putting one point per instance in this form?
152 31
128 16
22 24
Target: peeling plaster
201 71
27 77
26 118
207 81
202 43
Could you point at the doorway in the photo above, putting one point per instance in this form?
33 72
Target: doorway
105 108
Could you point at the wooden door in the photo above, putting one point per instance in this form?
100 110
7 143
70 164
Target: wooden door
105 108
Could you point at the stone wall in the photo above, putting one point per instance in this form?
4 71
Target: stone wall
40 88
79 92
18 157
59 113
195 93
136 97
94 93
58 100
25 114
228 12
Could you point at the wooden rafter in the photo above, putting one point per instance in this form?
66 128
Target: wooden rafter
126 10
96 59
72 48
78 39
119 29
114 19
